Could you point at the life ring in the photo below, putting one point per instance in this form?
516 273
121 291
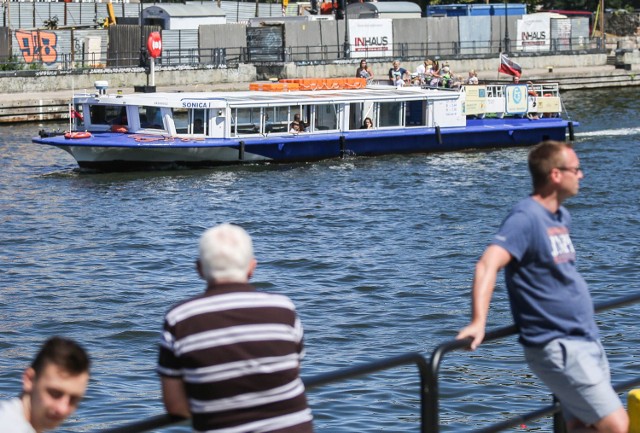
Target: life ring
77 135
119 128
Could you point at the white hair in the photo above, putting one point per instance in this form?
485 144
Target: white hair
226 252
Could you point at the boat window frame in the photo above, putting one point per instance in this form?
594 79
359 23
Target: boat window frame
110 115
191 118
162 128
234 121
338 112
378 116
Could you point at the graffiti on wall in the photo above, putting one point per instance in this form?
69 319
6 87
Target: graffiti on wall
37 45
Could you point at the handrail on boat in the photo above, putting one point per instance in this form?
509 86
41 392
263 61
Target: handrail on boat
429 387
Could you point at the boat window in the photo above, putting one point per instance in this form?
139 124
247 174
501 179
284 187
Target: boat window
181 120
355 115
198 124
246 121
107 114
358 112
120 118
415 113
98 115
150 117
326 117
276 119
300 114
390 114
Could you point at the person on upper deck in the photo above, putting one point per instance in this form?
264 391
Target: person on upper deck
435 75
550 301
398 76
364 71
446 77
472 79
422 67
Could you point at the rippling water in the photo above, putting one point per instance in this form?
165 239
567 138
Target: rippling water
377 254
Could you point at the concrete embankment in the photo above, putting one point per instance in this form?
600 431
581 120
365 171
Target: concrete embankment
46 95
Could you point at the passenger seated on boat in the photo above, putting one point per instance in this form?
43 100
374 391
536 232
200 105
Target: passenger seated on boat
435 76
364 71
424 72
367 124
446 77
198 126
301 124
397 74
295 128
473 77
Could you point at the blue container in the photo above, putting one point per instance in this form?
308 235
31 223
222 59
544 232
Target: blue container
463 10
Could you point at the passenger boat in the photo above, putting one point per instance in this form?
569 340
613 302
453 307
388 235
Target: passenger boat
114 132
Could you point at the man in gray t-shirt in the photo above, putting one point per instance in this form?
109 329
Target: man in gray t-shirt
550 301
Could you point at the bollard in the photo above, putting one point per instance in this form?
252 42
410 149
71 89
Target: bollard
633 407
572 135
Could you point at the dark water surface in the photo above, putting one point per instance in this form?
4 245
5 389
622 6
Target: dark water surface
377 254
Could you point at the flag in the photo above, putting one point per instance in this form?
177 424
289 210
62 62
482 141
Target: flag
509 67
76 115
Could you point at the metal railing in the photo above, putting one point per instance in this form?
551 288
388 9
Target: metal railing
224 57
429 384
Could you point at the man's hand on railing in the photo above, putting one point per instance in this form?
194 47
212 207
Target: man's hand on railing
474 332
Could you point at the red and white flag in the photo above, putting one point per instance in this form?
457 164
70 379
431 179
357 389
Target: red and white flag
76 114
509 67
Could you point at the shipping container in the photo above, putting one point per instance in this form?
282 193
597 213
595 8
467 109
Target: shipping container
463 10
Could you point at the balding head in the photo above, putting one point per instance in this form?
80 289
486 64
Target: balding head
226 254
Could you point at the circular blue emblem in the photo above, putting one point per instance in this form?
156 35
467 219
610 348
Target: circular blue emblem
517 95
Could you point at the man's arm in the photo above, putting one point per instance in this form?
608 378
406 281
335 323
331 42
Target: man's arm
493 259
174 397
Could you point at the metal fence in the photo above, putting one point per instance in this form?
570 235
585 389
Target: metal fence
429 384
230 57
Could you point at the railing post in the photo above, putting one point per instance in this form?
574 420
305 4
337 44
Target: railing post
559 426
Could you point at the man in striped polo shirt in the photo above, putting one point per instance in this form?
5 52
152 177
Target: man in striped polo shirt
230 357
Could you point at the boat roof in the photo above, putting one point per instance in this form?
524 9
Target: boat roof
266 99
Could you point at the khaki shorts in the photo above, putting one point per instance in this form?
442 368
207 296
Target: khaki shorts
577 372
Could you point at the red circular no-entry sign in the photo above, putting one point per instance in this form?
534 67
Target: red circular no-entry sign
154 44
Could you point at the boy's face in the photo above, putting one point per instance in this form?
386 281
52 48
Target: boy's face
54 394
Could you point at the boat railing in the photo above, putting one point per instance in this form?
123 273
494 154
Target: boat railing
429 383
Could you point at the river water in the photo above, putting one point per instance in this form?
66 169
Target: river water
377 254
